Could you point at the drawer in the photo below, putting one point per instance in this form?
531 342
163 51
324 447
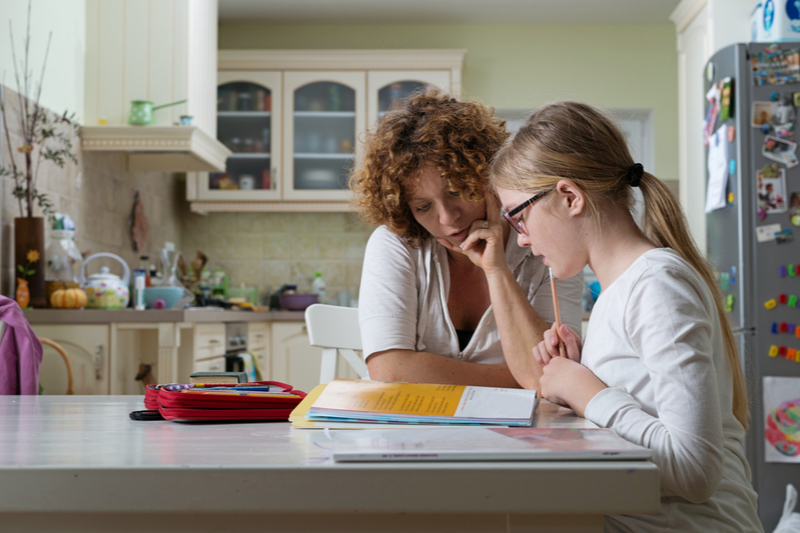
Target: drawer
257 335
215 364
209 340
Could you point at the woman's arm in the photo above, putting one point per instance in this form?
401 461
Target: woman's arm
424 367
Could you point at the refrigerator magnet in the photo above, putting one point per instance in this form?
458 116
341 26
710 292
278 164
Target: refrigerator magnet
761 114
794 208
731 133
784 236
797 99
781 411
732 167
771 189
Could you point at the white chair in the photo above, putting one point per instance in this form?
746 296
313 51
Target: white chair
335 329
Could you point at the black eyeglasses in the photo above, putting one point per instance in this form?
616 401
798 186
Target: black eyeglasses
514 222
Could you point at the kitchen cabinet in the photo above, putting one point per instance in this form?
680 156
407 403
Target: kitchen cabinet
294 120
88 349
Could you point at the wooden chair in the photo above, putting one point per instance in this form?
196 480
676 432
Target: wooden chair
65 356
335 329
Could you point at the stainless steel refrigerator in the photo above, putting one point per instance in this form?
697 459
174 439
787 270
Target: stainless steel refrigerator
752 272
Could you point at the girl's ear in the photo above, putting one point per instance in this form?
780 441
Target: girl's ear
573 197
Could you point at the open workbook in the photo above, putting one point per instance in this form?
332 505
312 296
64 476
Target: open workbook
362 401
483 444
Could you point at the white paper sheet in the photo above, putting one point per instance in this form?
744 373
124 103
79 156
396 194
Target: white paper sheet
717 170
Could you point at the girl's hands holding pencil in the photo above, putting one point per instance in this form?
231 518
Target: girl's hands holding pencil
548 348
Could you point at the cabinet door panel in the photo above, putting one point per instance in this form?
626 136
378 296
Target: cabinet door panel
294 360
87 347
385 88
324 114
249 123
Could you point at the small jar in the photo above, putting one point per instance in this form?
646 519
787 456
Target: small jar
62 254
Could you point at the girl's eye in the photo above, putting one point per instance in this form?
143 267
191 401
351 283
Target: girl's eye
455 193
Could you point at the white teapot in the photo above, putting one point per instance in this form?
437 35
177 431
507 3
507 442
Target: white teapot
106 290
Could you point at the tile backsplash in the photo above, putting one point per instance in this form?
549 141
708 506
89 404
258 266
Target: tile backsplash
267 250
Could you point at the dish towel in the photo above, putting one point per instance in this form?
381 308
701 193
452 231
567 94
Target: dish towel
20 352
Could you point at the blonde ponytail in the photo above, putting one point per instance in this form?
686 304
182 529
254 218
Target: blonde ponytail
579 142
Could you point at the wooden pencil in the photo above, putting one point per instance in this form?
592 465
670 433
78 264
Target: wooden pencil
561 348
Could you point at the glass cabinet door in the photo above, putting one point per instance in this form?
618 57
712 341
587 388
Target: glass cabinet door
248 123
387 89
324 113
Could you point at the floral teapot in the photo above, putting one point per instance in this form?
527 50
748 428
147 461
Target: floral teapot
106 290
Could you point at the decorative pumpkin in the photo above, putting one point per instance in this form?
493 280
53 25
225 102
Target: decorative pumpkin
68 298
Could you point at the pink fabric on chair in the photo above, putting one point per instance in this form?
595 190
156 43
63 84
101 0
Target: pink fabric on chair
20 352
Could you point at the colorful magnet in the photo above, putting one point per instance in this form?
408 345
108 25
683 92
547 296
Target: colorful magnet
797 332
730 197
766 128
733 275
723 281
784 327
774 327
784 236
774 97
792 270
791 354
792 300
732 166
782 271
729 303
782 298
731 134
773 351
782 351
770 304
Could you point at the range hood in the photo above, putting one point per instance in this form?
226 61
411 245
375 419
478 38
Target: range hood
162 52
159 148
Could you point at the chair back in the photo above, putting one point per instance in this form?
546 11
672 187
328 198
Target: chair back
335 329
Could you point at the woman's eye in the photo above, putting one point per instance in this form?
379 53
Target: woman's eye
422 208
455 193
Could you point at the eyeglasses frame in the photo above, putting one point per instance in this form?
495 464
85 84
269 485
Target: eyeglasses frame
509 214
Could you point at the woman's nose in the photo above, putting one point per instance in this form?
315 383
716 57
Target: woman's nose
448 215
523 240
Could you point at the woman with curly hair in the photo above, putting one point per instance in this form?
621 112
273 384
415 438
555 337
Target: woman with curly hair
428 313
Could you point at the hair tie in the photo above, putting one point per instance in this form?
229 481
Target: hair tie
635 174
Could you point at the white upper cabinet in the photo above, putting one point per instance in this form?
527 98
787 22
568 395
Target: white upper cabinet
159 51
298 154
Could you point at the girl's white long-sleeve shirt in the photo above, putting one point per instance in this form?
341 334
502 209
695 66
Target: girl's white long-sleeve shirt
654 338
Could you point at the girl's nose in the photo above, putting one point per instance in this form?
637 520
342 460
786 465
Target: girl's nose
523 240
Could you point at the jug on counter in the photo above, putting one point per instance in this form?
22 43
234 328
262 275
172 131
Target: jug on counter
105 290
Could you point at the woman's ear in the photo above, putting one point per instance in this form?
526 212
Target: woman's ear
572 196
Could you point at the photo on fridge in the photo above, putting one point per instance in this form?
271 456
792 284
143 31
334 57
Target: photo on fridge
771 183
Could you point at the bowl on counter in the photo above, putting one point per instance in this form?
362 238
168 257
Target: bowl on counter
169 295
298 301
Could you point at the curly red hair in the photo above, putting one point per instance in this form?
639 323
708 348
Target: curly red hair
458 138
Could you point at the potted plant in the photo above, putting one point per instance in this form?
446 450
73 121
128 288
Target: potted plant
42 137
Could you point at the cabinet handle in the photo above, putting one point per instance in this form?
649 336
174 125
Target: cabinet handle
213 341
260 336
98 362
274 178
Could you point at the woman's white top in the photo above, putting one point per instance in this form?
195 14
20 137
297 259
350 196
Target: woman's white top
402 302
655 339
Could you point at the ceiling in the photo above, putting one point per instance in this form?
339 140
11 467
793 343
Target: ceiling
449 11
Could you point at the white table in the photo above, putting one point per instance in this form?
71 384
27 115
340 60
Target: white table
79 464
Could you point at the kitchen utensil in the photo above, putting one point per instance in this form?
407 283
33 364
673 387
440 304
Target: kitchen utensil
106 290
298 301
142 111
170 295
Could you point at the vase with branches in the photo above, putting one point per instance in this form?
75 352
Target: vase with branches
42 138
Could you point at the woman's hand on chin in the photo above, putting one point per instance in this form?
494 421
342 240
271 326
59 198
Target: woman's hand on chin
485 244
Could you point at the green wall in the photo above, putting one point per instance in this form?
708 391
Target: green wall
521 66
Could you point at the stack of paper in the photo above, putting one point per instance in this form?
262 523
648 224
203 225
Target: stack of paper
370 402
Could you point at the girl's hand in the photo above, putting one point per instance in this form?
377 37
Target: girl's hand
565 382
485 244
548 348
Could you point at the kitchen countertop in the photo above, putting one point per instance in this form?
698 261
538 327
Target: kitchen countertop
107 316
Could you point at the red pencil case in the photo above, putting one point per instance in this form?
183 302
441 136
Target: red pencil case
199 403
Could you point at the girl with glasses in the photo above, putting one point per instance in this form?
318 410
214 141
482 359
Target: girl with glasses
659 364
427 312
